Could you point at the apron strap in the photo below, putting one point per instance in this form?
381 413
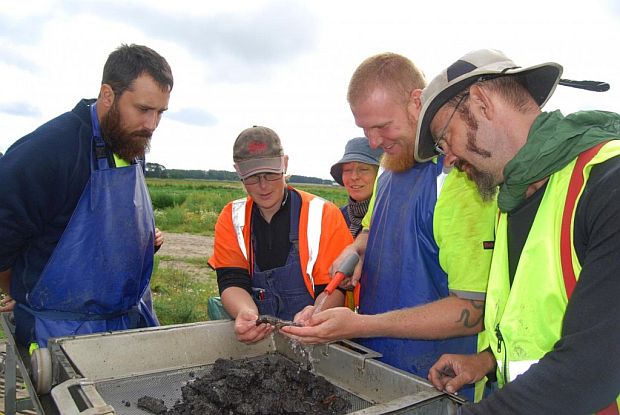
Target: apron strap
100 148
293 233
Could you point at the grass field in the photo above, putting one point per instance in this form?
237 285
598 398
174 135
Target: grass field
193 206
179 296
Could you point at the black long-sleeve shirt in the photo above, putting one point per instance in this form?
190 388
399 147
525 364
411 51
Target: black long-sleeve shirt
582 372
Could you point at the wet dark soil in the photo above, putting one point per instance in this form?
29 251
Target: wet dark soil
271 384
153 405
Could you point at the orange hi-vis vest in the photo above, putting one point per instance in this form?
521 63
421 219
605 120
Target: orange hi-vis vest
323 234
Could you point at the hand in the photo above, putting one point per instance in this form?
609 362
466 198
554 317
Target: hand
304 315
159 238
352 281
7 303
452 371
246 329
325 326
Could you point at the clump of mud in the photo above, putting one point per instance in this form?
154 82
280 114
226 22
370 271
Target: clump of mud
271 384
153 405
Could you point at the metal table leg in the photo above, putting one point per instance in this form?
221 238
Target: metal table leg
13 359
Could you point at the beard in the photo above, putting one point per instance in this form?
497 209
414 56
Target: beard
485 182
404 161
128 145
400 162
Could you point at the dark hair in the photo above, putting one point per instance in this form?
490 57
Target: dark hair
128 62
514 90
510 87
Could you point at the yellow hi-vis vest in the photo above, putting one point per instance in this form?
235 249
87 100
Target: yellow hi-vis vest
524 321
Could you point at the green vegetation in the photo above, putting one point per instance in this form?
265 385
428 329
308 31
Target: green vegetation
192 206
178 296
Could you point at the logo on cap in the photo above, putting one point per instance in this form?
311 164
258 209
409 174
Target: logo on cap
257 147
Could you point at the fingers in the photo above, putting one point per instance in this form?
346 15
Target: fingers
307 334
310 333
159 237
346 283
346 253
290 336
443 377
255 334
320 328
304 315
357 272
451 372
246 329
7 304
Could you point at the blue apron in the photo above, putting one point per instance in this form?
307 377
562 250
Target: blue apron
281 291
100 270
401 267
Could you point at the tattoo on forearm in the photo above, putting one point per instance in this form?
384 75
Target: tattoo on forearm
466 314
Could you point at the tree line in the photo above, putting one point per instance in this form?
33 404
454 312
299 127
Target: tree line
158 171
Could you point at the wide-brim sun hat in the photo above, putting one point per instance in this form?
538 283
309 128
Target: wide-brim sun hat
356 150
540 80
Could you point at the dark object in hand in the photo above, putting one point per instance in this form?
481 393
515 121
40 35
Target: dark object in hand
274 321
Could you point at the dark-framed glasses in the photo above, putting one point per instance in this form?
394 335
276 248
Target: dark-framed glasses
256 178
440 142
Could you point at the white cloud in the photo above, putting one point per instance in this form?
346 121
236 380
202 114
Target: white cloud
283 64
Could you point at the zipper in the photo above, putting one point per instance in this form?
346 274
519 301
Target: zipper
500 341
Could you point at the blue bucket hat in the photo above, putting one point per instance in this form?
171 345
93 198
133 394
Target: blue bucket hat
357 149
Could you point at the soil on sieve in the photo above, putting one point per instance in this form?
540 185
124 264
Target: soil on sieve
271 384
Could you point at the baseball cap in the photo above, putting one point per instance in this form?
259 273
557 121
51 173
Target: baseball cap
357 149
539 80
258 150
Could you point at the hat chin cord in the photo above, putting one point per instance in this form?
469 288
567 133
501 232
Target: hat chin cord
596 86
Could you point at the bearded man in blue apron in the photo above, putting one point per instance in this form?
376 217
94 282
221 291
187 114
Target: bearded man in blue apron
76 221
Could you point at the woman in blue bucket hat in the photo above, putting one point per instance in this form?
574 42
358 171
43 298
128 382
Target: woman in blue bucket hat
357 171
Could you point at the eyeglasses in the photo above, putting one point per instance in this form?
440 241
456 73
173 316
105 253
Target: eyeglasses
438 145
255 178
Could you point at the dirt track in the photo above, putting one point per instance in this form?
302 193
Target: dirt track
178 248
186 245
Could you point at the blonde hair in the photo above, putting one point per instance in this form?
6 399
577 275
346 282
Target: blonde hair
390 71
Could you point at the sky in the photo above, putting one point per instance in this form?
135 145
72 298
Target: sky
284 64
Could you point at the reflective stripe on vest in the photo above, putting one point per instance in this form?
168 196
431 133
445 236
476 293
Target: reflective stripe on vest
517 368
314 227
315 218
238 219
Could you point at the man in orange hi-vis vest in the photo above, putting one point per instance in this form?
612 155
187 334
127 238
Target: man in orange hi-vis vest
273 249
